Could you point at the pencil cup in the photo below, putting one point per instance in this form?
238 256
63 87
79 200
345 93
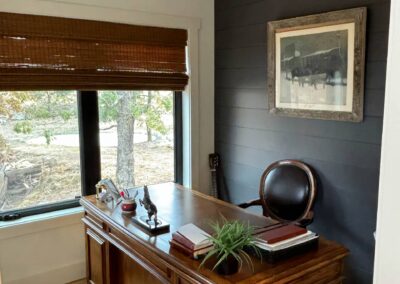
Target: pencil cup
128 205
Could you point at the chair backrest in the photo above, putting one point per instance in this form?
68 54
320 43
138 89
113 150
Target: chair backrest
287 190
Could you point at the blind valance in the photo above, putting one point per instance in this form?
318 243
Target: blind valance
40 52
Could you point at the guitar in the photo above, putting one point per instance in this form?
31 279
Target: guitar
214 164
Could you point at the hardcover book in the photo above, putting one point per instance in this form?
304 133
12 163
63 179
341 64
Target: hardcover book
187 243
281 234
194 237
192 253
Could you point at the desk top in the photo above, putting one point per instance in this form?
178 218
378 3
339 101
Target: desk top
179 206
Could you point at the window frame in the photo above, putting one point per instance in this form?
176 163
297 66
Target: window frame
178 138
89 141
90 158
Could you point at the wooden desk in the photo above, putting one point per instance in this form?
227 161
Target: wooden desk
119 251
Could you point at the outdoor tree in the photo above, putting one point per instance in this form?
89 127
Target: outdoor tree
118 107
48 107
125 108
125 131
38 105
155 107
51 105
12 102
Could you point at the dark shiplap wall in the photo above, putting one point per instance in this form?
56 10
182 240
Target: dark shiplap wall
344 155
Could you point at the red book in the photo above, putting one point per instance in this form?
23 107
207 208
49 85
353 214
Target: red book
281 234
187 243
180 247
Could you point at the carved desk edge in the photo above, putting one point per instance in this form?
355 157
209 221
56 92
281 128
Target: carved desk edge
169 260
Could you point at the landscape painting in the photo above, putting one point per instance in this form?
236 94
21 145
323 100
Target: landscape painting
313 71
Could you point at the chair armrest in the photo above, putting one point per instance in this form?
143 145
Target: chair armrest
255 202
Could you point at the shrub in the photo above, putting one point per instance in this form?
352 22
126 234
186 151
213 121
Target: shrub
66 115
24 127
38 112
48 134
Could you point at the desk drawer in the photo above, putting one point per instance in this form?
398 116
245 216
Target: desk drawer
139 251
127 267
94 220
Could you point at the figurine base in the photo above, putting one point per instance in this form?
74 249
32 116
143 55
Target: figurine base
151 226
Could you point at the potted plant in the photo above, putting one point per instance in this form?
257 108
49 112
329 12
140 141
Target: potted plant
230 240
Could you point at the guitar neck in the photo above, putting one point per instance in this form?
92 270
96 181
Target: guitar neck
214 163
214 188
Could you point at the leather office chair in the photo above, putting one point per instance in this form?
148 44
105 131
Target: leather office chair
287 192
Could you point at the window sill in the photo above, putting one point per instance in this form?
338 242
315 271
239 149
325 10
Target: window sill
40 222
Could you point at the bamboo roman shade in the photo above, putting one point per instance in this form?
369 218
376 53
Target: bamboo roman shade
39 52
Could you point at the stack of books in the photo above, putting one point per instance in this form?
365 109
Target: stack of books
191 240
285 240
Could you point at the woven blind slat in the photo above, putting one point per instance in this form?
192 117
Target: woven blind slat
39 52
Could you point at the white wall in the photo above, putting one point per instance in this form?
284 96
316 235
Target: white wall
48 250
387 249
197 16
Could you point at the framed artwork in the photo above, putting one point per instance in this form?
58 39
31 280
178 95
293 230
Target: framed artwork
316 65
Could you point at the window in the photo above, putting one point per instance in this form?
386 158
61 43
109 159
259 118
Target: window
39 148
86 55
137 136
45 134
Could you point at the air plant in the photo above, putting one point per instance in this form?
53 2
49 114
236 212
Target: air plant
230 240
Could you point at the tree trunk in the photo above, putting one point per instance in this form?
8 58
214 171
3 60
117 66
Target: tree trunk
3 185
149 131
48 102
125 129
149 134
